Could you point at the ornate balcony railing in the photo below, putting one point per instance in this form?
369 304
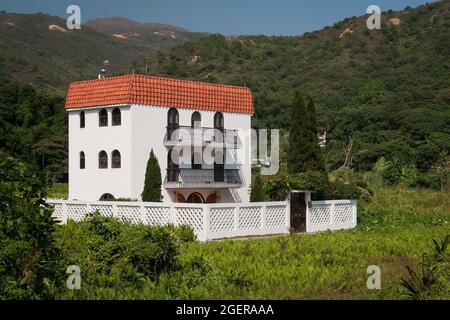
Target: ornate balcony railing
202 179
188 136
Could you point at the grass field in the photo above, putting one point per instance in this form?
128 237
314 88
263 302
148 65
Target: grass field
59 191
394 230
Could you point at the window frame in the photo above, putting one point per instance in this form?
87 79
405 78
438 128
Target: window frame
116 118
103 118
102 161
82 120
116 162
82 160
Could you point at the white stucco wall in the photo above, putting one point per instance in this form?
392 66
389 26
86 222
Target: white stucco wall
143 128
91 183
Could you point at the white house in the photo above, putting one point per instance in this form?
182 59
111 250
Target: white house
115 122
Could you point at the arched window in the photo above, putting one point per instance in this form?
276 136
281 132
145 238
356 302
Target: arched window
82 160
103 118
116 117
103 160
218 121
82 119
172 122
218 126
172 168
115 159
107 197
196 120
195 198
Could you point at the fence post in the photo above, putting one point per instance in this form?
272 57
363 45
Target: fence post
206 221
88 208
64 212
115 211
308 214
172 215
355 213
333 206
237 213
142 213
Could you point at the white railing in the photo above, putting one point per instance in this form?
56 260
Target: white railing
331 215
209 221
216 221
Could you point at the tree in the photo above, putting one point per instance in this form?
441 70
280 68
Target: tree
30 267
304 150
152 185
257 191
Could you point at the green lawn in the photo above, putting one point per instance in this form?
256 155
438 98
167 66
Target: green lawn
59 191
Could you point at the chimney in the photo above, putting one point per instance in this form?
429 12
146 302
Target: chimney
102 74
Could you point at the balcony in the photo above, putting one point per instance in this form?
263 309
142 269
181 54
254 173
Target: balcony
203 179
187 136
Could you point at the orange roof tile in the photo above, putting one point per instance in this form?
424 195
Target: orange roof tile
164 92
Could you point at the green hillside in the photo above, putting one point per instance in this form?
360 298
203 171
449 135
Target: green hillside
388 89
38 49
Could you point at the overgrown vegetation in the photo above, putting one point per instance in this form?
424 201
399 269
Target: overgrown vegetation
124 261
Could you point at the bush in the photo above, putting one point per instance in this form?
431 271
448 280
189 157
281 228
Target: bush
257 190
429 181
152 251
29 260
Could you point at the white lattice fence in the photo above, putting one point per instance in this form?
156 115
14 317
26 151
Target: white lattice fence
215 221
331 215
156 215
240 220
250 218
129 213
222 219
190 216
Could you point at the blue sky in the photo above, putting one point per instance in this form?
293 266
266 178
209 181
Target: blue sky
228 17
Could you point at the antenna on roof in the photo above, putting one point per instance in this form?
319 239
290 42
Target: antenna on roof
103 71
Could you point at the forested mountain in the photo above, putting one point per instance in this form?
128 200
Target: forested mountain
38 49
386 90
154 36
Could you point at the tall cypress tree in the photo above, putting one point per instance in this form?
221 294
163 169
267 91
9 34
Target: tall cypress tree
304 151
256 190
152 186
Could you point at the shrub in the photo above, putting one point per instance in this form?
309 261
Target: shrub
152 251
429 181
29 263
257 190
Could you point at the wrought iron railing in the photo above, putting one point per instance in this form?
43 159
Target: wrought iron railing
188 136
203 178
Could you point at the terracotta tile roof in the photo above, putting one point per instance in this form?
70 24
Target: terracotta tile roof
155 91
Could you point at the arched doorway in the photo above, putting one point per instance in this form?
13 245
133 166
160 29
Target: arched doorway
195 198
180 198
212 198
107 197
